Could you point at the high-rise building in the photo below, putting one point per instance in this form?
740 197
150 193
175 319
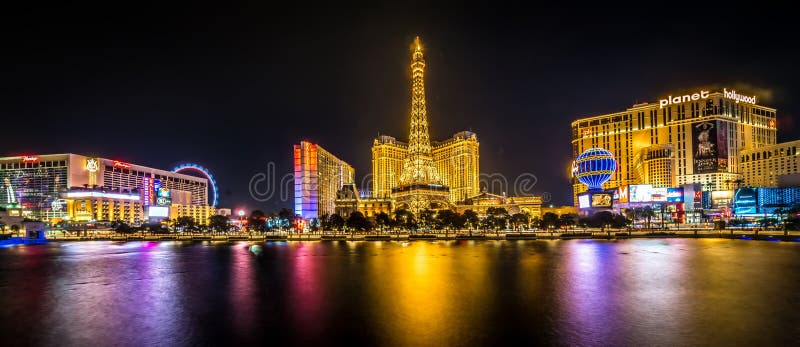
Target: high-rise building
456 159
388 155
770 166
73 187
694 137
318 175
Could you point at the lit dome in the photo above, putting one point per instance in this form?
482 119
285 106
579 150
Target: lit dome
594 167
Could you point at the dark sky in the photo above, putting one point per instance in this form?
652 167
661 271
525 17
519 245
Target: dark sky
233 88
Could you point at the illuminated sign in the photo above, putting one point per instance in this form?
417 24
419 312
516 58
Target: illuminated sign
57 205
674 194
92 165
14 213
703 94
640 192
601 200
158 211
147 191
163 197
162 201
710 146
658 194
120 164
721 194
583 201
29 159
622 194
739 97
745 201
102 195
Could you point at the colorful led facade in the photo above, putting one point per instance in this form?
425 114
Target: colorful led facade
692 137
318 175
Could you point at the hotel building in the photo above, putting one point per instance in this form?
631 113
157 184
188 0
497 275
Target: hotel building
85 188
693 137
480 203
348 201
318 176
456 159
770 166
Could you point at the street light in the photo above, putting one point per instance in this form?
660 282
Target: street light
241 219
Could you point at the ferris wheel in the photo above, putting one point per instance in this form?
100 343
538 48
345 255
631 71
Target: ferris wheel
197 169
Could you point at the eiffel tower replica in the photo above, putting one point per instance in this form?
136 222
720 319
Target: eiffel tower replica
420 184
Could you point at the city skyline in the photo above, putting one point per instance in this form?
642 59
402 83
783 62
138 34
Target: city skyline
517 86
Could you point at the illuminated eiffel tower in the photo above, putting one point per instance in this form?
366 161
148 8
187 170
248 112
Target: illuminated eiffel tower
420 185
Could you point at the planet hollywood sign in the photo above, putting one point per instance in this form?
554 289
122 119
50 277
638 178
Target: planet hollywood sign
739 97
703 94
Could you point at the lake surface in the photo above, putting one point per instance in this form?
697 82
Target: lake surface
666 292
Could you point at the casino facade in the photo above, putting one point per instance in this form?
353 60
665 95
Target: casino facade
687 138
79 188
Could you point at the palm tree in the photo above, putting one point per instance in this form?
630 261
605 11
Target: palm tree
645 213
382 220
568 220
519 220
498 218
428 217
549 220
471 219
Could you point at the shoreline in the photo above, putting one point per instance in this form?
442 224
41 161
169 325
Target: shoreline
503 236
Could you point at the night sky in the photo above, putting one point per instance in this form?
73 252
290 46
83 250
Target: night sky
233 88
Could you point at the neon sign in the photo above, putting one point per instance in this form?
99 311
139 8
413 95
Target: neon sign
101 195
739 97
703 94
29 159
147 189
120 164
197 168
92 165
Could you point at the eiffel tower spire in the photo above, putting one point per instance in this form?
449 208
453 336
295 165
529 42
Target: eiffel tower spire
418 167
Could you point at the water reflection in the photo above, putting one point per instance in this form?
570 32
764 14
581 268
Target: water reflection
635 292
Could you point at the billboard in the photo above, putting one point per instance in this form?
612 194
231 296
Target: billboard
710 146
163 197
622 194
601 200
158 211
640 192
674 194
745 201
658 194
583 201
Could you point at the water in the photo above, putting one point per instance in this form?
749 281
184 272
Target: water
669 292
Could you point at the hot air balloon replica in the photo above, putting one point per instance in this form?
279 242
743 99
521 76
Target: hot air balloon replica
593 168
